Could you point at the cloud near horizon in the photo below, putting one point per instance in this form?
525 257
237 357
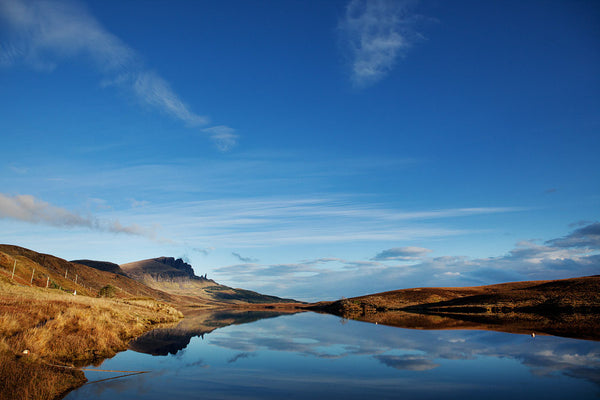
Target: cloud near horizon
29 209
402 254
576 254
42 34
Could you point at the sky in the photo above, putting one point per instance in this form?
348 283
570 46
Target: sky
306 149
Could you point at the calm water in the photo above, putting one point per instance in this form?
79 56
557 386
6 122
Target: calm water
313 356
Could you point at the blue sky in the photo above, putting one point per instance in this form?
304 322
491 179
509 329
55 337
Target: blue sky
306 149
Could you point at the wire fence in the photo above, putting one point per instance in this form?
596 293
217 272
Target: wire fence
27 275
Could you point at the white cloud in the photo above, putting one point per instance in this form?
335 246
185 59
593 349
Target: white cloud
331 278
223 136
42 34
27 208
155 91
252 222
376 33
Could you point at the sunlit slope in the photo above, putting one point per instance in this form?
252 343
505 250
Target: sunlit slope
163 278
44 270
177 277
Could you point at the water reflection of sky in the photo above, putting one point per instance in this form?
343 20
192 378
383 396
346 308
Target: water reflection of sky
315 356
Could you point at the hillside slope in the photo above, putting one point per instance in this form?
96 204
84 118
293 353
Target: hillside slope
44 270
566 307
573 294
102 266
164 278
178 278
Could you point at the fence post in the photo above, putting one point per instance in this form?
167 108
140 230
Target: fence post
13 274
76 279
31 281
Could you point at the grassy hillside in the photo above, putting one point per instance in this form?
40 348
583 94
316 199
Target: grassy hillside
567 307
56 273
59 330
102 266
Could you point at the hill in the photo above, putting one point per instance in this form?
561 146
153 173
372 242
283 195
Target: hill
47 271
176 277
102 266
164 278
566 307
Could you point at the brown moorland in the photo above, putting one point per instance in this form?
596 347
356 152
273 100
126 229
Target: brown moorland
66 314
61 331
566 307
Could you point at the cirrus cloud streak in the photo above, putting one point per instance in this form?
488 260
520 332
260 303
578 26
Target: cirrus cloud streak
42 34
27 208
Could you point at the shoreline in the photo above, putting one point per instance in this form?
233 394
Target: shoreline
46 336
62 333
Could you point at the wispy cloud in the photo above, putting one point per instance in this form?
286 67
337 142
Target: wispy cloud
402 254
376 33
203 250
43 34
155 91
586 237
243 259
27 208
223 136
276 221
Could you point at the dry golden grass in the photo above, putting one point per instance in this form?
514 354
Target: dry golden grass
59 328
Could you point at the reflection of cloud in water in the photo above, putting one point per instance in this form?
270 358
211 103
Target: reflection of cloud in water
292 354
408 362
240 355
551 361
198 363
543 355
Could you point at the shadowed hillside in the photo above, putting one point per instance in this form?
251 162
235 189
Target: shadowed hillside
102 266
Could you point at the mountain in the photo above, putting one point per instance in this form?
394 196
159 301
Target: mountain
177 277
164 278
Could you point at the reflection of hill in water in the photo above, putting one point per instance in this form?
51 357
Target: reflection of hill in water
580 326
163 341
566 307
